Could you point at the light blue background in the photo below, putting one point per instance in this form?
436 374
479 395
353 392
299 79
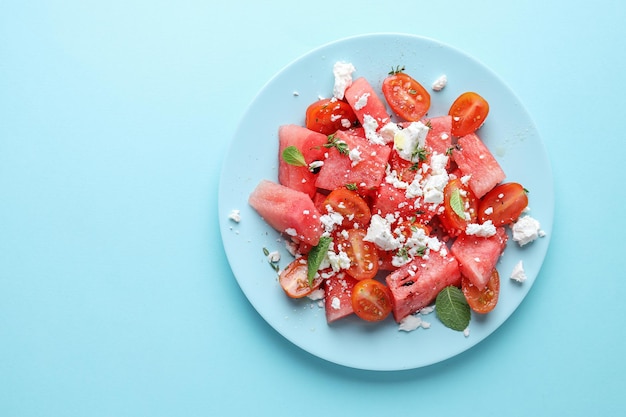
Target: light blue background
115 295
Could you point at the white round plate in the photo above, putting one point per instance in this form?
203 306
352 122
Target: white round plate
509 133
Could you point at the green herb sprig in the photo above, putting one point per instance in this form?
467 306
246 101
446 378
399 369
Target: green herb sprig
316 256
340 145
293 156
452 308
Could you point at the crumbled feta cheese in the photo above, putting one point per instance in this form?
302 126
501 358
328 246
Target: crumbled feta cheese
379 233
370 126
291 231
316 164
273 257
338 261
481 230
388 132
438 179
518 273
412 322
346 123
408 140
361 101
235 215
440 83
488 211
335 303
316 295
355 156
343 78
331 219
526 230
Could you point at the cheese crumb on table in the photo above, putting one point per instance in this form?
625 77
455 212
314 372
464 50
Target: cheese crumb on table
440 83
235 215
518 273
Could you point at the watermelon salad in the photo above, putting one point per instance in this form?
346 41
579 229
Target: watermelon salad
389 211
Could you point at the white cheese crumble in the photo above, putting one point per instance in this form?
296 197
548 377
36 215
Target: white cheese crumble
355 156
408 140
235 215
438 179
518 273
339 261
412 322
335 303
440 83
481 230
361 102
379 233
370 126
388 132
526 230
273 257
343 78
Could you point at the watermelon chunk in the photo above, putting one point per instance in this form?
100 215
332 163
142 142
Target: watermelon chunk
474 158
311 145
439 138
478 256
364 101
416 284
339 169
338 297
287 210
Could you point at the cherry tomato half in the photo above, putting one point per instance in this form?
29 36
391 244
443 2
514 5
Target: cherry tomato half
363 255
294 279
406 97
329 115
503 204
350 205
485 300
371 300
468 112
458 199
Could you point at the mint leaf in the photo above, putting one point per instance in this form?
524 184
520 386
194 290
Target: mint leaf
293 156
341 146
316 256
456 202
452 308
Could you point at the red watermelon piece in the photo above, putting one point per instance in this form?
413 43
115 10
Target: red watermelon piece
287 210
311 144
478 256
339 170
416 284
361 91
439 138
474 158
338 296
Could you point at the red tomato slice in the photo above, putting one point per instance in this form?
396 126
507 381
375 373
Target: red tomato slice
503 204
363 255
371 300
468 112
327 116
294 279
485 300
406 97
452 221
350 205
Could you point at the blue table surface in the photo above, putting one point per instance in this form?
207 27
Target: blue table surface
116 298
